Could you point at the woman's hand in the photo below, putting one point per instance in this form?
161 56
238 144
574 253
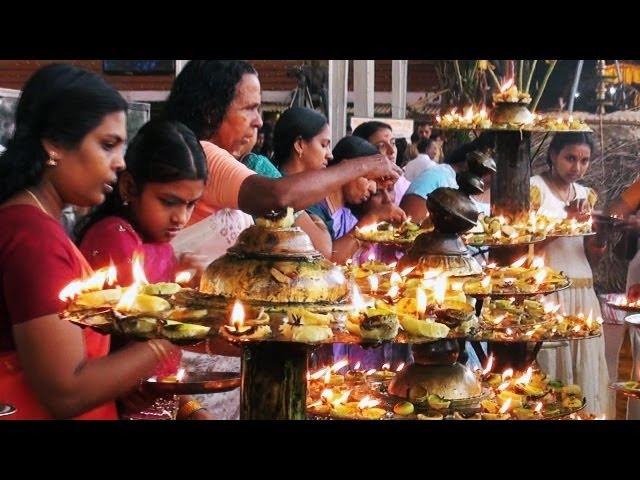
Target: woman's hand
194 263
380 169
580 209
387 212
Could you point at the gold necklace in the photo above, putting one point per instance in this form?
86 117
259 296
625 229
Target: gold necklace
36 200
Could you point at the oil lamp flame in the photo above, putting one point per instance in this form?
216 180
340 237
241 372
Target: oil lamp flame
486 281
503 386
138 269
319 374
366 402
371 257
339 365
357 300
538 262
370 372
393 291
237 315
327 376
421 301
400 367
386 366
519 263
589 320
356 366
373 283
440 289
395 279
489 366
406 271
551 308
112 275
183 276
180 375
506 85
540 276
128 298
538 408
526 378
508 373
71 291
505 406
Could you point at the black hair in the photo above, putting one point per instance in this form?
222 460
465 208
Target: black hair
161 152
424 144
294 123
352 147
367 129
401 146
60 103
415 137
561 140
202 93
485 141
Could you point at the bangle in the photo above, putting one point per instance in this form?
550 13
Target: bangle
155 348
188 409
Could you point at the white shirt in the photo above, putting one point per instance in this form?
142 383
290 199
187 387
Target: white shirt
418 165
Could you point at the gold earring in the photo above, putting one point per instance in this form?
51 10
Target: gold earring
51 162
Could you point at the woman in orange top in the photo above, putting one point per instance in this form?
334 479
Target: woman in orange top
67 149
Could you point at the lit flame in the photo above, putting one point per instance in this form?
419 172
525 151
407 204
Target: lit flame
400 367
505 406
183 276
506 85
395 279
485 282
503 386
456 286
520 262
421 301
538 408
589 320
327 376
326 395
357 300
489 366
393 291
338 365
371 257
440 289
71 291
386 366
138 269
406 271
498 320
373 283
492 266
319 374
538 262
128 298
366 402
180 375
112 275
356 366
371 372
540 276
508 373
237 315
526 378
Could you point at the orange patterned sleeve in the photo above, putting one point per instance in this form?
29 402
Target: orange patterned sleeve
226 175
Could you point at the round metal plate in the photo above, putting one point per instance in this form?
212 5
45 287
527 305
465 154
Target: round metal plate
194 383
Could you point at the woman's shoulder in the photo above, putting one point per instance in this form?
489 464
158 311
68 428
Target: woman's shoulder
261 165
29 222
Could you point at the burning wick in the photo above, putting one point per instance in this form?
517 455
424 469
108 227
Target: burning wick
183 277
373 283
400 367
489 366
356 367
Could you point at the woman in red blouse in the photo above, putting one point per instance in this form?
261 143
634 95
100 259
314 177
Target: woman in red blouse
67 149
